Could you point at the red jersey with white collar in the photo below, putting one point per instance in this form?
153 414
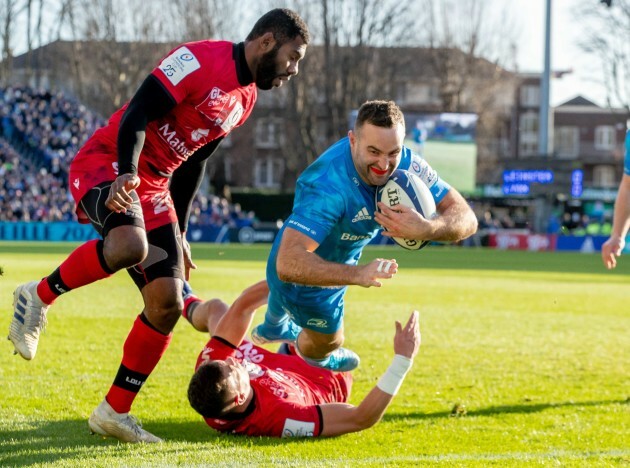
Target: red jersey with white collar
287 391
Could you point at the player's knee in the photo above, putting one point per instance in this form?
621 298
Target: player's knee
125 251
164 314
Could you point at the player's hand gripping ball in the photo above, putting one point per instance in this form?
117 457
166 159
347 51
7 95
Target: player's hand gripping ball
407 189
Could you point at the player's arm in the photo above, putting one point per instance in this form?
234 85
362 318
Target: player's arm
455 220
298 263
611 249
341 418
184 185
150 102
234 324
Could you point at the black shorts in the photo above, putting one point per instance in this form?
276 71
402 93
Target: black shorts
166 256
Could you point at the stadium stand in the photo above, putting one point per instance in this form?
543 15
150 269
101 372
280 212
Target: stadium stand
40 133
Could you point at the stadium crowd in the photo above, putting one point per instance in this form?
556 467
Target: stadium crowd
40 133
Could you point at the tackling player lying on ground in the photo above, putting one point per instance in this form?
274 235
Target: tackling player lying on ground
122 181
241 388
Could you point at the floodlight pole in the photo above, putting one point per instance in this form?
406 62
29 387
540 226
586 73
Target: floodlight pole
543 129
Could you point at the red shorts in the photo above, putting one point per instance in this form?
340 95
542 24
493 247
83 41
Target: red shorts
97 162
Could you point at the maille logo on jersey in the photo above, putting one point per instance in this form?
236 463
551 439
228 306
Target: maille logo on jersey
176 143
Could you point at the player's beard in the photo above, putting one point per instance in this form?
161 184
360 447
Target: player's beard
266 71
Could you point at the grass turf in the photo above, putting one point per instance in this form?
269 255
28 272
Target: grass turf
524 360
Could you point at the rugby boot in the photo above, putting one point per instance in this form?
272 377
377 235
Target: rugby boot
286 332
122 426
29 320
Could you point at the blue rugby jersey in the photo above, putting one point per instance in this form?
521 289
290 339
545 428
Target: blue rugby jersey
334 207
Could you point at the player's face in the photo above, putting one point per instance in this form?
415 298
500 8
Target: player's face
238 380
376 151
280 64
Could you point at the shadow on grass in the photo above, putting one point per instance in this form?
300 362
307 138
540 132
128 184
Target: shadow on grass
506 409
71 440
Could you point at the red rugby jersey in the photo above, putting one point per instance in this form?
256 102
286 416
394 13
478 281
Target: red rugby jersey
287 391
201 77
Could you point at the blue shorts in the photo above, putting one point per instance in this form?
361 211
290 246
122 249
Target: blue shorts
325 316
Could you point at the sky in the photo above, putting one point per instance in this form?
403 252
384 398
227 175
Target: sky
565 53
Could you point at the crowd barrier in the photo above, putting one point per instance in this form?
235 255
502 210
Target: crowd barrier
75 232
505 240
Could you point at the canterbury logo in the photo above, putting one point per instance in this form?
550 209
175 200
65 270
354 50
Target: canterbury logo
362 215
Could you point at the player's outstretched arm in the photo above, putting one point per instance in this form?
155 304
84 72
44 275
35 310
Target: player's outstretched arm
234 324
341 418
298 263
621 223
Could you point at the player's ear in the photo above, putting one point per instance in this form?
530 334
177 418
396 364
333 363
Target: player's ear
267 42
352 137
240 398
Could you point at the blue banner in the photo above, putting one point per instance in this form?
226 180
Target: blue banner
57 232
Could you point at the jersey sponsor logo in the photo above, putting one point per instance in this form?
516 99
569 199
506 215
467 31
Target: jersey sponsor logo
295 428
362 215
179 65
301 227
162 202
353 237
200 133
176 143
222 108
317 322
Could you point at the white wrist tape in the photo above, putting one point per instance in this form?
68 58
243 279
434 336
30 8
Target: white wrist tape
393 377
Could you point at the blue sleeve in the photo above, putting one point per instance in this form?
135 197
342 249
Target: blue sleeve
316 210
626 167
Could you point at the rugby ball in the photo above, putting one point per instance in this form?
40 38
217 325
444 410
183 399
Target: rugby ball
405 188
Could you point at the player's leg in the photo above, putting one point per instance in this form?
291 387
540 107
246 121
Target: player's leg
124 245
160 279
278 326
203 316
319 342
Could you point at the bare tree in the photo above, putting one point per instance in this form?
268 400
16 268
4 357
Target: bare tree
605 33
9 11
340 71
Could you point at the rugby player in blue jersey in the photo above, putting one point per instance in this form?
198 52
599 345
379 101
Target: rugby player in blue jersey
315 255
613 247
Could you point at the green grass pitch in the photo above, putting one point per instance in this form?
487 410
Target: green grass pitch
525 361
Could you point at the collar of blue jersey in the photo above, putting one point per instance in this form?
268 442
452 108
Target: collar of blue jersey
243 73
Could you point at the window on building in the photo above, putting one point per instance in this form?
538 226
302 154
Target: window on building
528 134
604 176
567 142
268 133
604 137
530 96
268 172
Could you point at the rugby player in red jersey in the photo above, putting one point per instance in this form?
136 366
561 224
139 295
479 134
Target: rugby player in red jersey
134 180
241 388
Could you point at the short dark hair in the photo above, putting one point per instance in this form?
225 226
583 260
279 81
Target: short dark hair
208 391
380 113
285 25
